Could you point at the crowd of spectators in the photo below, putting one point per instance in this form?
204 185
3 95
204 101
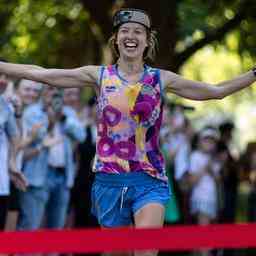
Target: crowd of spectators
52 134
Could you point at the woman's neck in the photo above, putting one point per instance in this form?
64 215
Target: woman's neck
130 67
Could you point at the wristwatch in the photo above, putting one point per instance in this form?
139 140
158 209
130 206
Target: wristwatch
254 70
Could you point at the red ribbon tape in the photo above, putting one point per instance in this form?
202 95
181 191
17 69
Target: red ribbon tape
124 239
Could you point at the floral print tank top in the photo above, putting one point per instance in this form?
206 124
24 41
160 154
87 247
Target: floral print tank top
129 120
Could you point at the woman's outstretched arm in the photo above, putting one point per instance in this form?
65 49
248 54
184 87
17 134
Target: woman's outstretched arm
195 90
64 78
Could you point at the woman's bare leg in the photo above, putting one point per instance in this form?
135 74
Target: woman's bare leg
115 253
149 216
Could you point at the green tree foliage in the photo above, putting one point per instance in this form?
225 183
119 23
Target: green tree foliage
73 32
212 23
46 32
208 40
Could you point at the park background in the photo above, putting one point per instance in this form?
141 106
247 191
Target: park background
209 41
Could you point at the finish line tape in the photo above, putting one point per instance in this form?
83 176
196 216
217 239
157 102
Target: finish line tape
175 238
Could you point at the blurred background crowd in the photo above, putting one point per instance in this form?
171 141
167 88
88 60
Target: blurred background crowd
56 145
209 147
211 181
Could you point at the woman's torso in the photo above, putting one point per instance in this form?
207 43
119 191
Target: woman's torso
129 120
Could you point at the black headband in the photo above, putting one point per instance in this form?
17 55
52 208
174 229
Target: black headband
131 15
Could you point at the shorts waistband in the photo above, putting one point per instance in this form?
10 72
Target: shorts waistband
125 179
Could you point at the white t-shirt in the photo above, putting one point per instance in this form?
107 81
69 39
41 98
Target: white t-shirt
205 189
180 144
8 129
4 176
57 151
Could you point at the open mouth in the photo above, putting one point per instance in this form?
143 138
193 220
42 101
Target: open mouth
130 45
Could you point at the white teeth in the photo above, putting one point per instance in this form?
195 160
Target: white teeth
130 44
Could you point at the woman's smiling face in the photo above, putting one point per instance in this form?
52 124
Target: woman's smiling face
132 40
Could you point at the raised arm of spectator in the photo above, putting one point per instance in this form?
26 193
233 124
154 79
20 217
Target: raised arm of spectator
29 138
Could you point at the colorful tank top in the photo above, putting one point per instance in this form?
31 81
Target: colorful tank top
129 120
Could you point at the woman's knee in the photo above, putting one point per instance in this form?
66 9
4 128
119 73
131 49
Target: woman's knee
146 253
